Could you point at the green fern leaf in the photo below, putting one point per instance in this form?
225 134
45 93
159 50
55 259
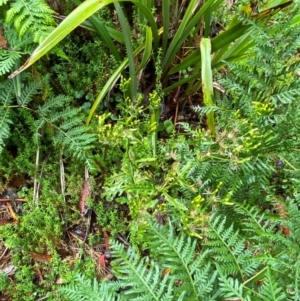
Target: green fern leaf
270 290
231 288
67 128
85 290
27 93
141 276
178 253
7 60
31 15
6 98
229 249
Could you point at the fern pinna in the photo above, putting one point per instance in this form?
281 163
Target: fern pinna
226 264
55 118
33 16
26 23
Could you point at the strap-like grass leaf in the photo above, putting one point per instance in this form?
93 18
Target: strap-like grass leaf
148 49
129 48
81 13
101 29
207 85
110 83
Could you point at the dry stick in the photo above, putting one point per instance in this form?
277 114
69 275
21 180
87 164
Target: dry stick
11 211
39 273
86 174
42 298
123 240
62 176
16 200
3 253
87 231
35 181
176 96
62 180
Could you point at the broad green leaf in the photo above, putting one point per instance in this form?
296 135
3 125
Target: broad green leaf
76 17
166 24
186 26
110 84
148 49
114 33
226 37
179 206
296 20
127 38
181 82
102 30
207 81
223 43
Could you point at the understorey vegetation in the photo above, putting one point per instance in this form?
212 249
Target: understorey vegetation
149 150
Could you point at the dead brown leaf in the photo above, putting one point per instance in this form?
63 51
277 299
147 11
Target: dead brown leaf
85 193
229 2
3 41
6 221
11 211
43 258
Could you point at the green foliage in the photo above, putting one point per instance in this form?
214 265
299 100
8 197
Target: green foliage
109 218
142 276
82 78
221 265
55 118
209 218
228 249
32 16
16 47
26 23
85 289
191 18
7 60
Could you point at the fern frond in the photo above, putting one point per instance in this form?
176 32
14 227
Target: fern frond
27 93
6 98
84 289
64 114
141 276
229 249
7 60
53 104
256 222
286 96
31 15
76 139
178 253
270 290
67 126
231 288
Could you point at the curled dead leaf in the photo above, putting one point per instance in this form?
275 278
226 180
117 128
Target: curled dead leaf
6 221
3 41
85 193
59 280
44 258
165 272
102 261
218 87
9 270
285 230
